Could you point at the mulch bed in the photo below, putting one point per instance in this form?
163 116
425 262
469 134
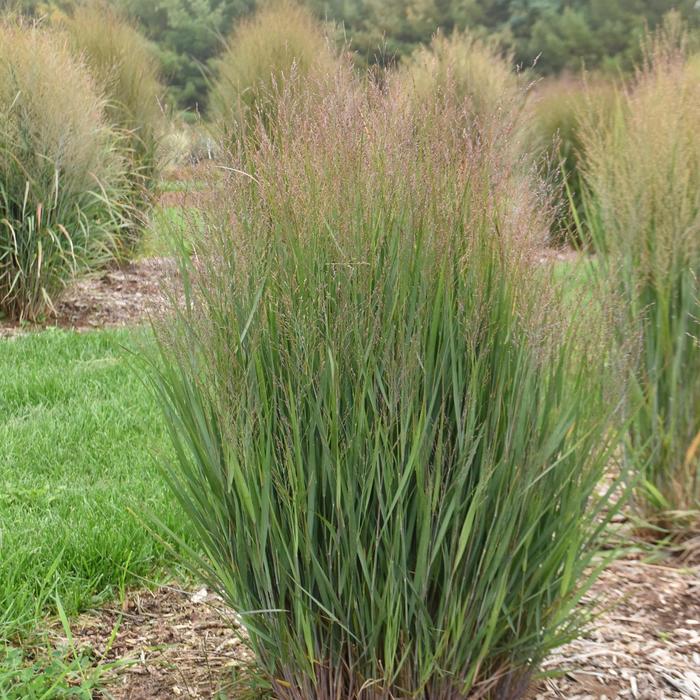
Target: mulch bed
117 297
166 643
646 646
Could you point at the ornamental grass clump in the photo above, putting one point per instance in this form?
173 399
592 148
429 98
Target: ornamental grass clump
276 49
643 176
61 180
387 450
491 96
468 68
127 72
557 111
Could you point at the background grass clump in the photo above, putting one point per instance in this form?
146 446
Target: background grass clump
474 74
273 51
473 69
127 72
61 179
643 176
556 116
388 453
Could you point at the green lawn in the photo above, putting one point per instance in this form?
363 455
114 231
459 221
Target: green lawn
80 437
171 226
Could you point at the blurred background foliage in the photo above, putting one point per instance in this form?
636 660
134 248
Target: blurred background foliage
551 36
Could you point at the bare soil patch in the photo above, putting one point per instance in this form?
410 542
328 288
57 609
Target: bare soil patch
645 646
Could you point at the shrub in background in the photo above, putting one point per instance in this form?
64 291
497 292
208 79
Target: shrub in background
388 453
60 177
277 48
126 70
643 174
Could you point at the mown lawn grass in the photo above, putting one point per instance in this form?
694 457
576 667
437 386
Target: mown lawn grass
80 439
171 226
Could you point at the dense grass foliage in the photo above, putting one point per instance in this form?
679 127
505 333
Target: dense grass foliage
644 179
126 71
79 433
60 177
58 675
277 49
387 451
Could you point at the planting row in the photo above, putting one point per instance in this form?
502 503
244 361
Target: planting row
398 439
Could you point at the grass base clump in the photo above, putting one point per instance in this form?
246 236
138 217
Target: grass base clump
61 180
389 458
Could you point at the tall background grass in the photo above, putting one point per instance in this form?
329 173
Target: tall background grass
276 49
643 176
127 72
61 176
475 70
556 114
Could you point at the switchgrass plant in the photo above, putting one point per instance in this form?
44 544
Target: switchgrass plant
127 72
469 68
387 451
61 179
556 115
278 47
643 176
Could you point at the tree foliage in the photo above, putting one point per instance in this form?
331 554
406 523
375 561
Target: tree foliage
551 35
555 35
188 34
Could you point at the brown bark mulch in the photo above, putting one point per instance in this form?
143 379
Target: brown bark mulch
117 297
167 643
645 646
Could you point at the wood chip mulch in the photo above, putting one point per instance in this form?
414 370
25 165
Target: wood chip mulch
166 643
117 297
645 646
